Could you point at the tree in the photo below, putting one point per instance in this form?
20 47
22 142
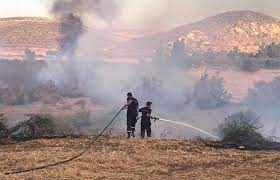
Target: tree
148 89
158 56
265 93
272 51
249 64
29 55
210 92
3 127
178 52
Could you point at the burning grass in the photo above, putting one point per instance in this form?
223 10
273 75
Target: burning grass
119 158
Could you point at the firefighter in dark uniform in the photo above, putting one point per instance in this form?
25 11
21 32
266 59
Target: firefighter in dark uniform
132 113
146 120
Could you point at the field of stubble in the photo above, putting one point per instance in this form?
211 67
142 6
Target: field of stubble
119 158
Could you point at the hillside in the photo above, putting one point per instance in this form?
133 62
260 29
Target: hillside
245 30
42 35
119 158
16 34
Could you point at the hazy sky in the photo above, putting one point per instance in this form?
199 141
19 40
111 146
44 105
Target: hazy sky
151 13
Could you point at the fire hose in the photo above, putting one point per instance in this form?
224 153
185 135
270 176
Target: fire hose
70 159
97 137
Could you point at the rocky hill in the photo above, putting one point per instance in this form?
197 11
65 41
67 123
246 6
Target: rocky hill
245 30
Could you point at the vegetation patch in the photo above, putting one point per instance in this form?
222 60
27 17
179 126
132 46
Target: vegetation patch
210 92
3 127
37 126
242 130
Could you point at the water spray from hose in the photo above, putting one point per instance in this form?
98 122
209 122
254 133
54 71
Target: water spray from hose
190 126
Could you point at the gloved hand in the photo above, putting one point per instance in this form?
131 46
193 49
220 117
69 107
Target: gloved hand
155 119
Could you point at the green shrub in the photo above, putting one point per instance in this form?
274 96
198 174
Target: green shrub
29 55
242 129
250 65
272 63
211 92
265 94
37 126
3 127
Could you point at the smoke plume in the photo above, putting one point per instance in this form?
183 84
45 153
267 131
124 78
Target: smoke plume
71 14
71 28
104 9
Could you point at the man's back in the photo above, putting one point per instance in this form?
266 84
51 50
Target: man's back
133 106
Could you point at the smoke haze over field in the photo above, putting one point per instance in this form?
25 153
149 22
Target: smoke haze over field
162 14
167 85
147 13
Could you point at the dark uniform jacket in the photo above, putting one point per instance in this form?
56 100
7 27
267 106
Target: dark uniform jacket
145 118
132 108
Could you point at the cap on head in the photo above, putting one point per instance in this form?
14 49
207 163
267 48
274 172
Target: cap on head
148 103
129 94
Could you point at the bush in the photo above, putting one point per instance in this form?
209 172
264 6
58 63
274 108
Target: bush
3 127
250 65
178 56
37 126
148 89
265 93
271 50
242 129
20 100
29 55
210 92
272 63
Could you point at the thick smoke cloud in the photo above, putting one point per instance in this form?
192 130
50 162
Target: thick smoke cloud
71 28
110 83
104 9
71 13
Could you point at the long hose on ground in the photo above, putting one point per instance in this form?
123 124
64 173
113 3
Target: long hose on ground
70 159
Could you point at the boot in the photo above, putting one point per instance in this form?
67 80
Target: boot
142 135
128 135
133 133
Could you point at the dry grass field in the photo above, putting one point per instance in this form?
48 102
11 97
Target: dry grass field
119 158
39 34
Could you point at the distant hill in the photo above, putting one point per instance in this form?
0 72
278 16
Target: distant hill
245 30
16 34
42 35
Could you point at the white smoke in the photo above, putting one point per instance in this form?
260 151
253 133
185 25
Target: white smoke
111 82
